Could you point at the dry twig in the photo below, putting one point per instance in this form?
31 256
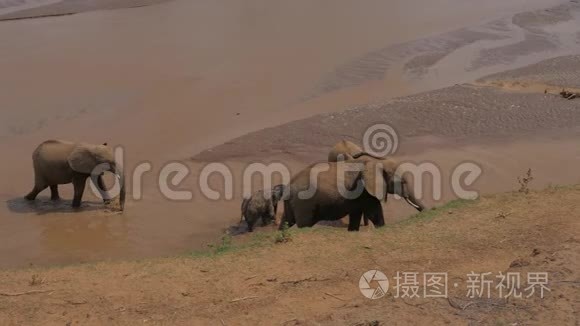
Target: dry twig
244 298
310 279
459 306
332 295
6 294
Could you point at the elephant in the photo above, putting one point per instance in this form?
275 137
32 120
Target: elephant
347 150
344 150
59 162
366 181
262 204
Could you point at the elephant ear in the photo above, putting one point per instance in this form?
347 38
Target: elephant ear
375 179
84 158
349 174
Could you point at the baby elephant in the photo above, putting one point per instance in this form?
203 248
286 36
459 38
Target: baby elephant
262 204
58 162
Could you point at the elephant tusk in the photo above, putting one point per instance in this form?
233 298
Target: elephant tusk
412 204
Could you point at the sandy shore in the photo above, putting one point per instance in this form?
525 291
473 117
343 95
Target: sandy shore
23 9
169 82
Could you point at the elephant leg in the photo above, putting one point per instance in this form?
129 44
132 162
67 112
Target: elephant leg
265 220
379 217
354 220
54 192
374 211
35 191
251 219
366 220
288 218
269 216
79 182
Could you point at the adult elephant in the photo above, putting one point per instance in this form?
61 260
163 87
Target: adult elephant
330 191
399 185
345 150
60 162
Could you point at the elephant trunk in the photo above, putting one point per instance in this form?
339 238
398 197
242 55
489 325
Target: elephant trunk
122 192
408 194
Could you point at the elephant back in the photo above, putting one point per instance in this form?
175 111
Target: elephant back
53 151
344 150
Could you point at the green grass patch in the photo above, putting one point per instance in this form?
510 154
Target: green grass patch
430 214
266 239
283 235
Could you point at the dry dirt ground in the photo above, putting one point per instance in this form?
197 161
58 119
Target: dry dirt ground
215 70
313 278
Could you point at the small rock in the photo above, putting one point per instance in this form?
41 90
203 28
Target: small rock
535 252
368 323
519 263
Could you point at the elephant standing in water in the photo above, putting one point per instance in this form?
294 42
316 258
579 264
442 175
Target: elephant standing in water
262 204
59 162
330 191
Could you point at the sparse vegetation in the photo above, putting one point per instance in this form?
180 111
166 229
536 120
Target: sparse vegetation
36 280
435 211
225 245
283 235
502 215
524 182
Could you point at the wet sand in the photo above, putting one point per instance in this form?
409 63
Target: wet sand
170 81
27 9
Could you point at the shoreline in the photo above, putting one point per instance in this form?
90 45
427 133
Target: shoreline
265 278
72 7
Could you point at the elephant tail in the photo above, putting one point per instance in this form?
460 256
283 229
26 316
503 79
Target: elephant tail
243 208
